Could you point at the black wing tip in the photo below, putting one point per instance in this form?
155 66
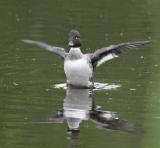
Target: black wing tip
142 42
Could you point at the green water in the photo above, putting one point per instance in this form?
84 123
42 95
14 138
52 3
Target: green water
28 74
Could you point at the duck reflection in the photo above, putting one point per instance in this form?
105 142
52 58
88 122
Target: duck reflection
79 106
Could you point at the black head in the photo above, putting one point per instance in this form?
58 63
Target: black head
74 39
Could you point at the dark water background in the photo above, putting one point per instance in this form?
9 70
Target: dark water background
28 75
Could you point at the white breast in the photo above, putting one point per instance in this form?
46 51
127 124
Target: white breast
78 72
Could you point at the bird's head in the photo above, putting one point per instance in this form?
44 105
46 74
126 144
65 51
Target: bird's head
74 39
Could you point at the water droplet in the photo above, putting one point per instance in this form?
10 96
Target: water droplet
132 89
121 34
15 84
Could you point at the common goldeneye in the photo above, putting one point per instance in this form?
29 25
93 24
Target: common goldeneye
79 67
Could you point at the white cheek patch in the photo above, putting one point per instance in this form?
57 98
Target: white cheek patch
107 58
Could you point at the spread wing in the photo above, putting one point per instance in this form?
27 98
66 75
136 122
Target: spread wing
57 50
102 55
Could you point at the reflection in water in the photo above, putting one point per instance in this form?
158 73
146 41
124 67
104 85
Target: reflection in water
78 106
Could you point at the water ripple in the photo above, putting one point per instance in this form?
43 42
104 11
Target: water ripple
97 85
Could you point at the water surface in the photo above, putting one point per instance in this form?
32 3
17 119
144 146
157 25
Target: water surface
28 75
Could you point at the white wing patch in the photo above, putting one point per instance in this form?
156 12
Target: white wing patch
106 58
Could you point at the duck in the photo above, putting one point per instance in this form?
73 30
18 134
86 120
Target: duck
79 67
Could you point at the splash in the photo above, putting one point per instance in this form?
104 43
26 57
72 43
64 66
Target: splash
97 85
